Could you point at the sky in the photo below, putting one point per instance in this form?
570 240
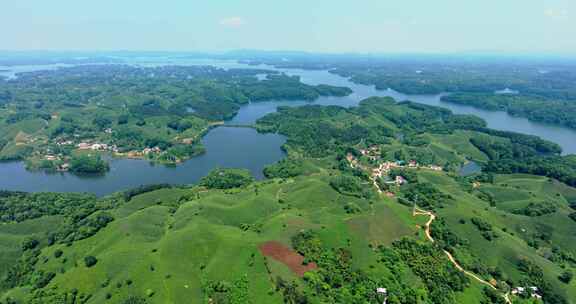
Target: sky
333 26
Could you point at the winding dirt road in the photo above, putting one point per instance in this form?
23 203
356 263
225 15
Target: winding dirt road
416 212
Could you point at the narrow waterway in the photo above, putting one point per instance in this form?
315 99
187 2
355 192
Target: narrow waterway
498 120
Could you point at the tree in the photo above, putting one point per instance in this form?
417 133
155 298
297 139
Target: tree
29 244
566 277
227 179
58 253
90 261
123 119
90 164
102 122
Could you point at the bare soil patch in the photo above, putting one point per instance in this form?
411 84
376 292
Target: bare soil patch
286 256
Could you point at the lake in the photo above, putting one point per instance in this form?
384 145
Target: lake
244 147
225 148
470 168
498 120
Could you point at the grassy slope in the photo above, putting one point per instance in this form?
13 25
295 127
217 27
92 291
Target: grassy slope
203 239
173 253
505 252
12 236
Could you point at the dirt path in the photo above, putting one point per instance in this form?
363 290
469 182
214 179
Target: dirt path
417 211
376 185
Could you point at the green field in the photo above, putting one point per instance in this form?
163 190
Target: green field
168 253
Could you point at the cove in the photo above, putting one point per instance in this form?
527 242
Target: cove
226 147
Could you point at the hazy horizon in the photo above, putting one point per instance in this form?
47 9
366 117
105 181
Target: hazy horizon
370 27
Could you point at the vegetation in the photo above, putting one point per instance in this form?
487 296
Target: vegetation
441 278
89 164
537 209
539 91
561 168
331 224
227 179
90 261
425 195
350 185
285 168
158 113
551 111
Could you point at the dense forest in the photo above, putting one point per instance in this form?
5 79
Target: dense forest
542 91
321 130
158 113
551 79
551 111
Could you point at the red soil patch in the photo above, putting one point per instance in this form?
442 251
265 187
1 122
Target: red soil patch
286 256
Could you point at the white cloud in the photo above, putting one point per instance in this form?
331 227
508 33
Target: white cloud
556 13
232 22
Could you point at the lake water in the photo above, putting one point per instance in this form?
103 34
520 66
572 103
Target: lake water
244 147
499 120
226 148
470 168
11 71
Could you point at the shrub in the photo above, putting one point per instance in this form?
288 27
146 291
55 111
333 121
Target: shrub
346 184
90 261
30 244
149 292
536 209
44 279
58 253
88 164
566 277
284 169
129 194
227 179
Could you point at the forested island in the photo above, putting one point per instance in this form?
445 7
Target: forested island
540 90
550 111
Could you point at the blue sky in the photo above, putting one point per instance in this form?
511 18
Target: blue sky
313 25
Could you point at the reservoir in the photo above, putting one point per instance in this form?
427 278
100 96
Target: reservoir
225 148
244 147
498 120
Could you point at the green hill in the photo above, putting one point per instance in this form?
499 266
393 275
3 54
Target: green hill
323 228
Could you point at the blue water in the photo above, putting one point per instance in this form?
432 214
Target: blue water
225 148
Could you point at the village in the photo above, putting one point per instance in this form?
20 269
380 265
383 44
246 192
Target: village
382 170
531 292
62 164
